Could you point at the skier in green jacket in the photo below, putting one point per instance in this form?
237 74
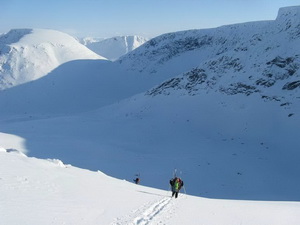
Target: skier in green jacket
176 184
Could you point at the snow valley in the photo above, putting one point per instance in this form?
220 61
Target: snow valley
221 105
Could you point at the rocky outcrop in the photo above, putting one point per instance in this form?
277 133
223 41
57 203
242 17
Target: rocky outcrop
259 58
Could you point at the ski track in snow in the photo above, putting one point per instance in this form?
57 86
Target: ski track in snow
150 213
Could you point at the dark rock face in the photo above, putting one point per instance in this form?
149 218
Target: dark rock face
291 85
188 82
239 88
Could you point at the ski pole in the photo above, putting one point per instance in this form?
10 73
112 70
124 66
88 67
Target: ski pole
184 190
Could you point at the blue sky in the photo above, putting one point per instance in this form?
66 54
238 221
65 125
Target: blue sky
149 18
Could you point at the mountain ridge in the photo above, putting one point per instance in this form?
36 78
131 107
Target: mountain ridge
28 54
245 58
113 48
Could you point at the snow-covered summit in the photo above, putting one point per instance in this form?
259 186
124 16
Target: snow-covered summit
89 40
115 47
205 44
255 57
14 36
28 54
289 15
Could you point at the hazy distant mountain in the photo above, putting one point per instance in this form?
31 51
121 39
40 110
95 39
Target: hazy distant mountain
28 54
113 48
220 104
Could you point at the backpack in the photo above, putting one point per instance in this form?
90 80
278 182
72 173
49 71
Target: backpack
172 182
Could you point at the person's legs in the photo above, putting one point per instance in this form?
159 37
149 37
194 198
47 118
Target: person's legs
176 194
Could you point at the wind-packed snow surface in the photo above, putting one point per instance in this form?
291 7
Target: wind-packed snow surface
35 191
220 105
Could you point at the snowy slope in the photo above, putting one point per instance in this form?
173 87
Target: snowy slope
236 147
28 54
256 53
221 105
76 86
35 191
115 47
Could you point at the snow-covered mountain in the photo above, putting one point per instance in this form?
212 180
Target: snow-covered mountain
221 105
115 47
28 54
89 40
256 57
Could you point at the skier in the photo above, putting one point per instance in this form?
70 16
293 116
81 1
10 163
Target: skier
137 180
176 184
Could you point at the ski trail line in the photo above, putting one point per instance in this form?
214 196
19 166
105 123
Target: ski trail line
148 214
151 212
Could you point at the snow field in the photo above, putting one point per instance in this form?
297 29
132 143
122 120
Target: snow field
35 191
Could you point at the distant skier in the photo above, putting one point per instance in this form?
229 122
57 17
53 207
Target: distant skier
137 180
176 184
